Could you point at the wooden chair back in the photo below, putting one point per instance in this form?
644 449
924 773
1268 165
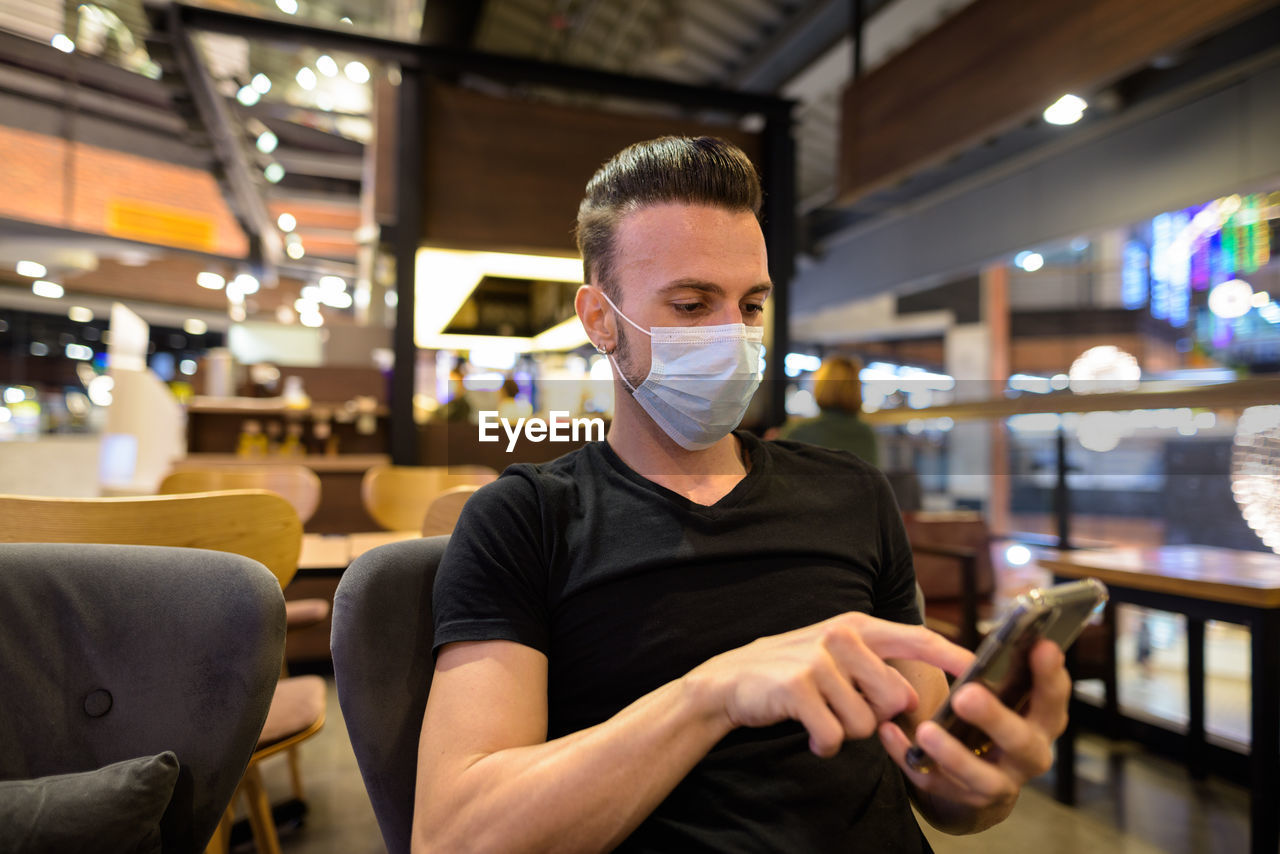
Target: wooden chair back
252 522
299 485
398 497
444 511
938 574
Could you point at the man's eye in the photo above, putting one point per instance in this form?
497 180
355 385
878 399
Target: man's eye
753 308
687 307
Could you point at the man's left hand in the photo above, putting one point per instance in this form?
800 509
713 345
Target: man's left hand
1022 744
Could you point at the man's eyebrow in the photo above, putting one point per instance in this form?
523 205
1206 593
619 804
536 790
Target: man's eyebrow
709 287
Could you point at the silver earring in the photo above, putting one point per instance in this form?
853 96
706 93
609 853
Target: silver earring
602 351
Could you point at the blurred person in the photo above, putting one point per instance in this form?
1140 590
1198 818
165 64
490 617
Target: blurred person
458 408
683 638
837 390
510 405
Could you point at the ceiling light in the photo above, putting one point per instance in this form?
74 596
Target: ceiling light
327 66
289 7
1231 299
1260 299
237 313
31 269
287 222
52 290
80 314
261 84
248 96
306 78
195 326
344 20
311 293
451 276
273 173
338 300
246 284
568 335
285 315
212 281
267 142
357 71
330 284
312 319
1067 110
295 251
62 43
1104 368
1029 261
79 352
187 366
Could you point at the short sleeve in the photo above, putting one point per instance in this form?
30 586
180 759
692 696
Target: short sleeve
491 584
895 588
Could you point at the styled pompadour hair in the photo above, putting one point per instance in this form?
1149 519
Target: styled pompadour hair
702 170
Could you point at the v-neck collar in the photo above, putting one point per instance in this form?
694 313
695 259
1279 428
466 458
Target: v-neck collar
754 449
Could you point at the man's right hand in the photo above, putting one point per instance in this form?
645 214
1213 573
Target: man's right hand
832 677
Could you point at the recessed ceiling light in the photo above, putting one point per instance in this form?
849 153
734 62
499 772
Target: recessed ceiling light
357 71
80 314
261 84
51 290
212 281
31 269
1067 110
287 222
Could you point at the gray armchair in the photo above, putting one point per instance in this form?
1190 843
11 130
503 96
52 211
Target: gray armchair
111 653
382 663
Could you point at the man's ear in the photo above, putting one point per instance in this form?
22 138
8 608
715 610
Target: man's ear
597 318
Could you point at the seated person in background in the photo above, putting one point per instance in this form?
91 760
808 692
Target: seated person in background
837 390
683 638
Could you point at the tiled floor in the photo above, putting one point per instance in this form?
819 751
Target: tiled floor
1130 803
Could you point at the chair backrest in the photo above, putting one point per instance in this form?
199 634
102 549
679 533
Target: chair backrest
299 485
397 497
382 663
444 511
181 647
938 575
251 522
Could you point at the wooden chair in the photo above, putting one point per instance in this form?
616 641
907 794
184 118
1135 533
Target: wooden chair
444 511
398 497
255 523
299 485
953 568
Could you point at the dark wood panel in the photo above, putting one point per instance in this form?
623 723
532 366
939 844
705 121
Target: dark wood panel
997 62
508 174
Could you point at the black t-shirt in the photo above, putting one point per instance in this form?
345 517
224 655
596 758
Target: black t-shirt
626 585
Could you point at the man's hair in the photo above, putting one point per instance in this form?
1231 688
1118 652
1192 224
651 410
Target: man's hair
702 170
837 385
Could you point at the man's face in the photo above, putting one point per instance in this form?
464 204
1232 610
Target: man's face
686 265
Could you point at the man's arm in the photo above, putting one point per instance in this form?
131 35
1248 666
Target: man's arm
489 781
965 793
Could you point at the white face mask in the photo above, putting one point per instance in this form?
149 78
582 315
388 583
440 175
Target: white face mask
701 379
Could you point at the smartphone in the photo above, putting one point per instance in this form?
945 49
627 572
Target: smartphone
1002 662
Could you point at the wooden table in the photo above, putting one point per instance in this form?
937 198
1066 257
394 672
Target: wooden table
1202 583
329 554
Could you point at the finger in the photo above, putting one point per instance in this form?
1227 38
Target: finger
1050 689
826 732
897 640
989 782
886 690
935 781
848 705
1023 744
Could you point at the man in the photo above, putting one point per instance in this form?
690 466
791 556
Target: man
684 638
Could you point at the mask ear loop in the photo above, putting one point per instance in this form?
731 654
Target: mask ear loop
609 354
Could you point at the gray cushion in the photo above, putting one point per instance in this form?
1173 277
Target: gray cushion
113 809
113 652
382 663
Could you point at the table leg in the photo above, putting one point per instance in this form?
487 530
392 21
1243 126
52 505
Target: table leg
1264 754
1064 775
1111 695
1196 755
